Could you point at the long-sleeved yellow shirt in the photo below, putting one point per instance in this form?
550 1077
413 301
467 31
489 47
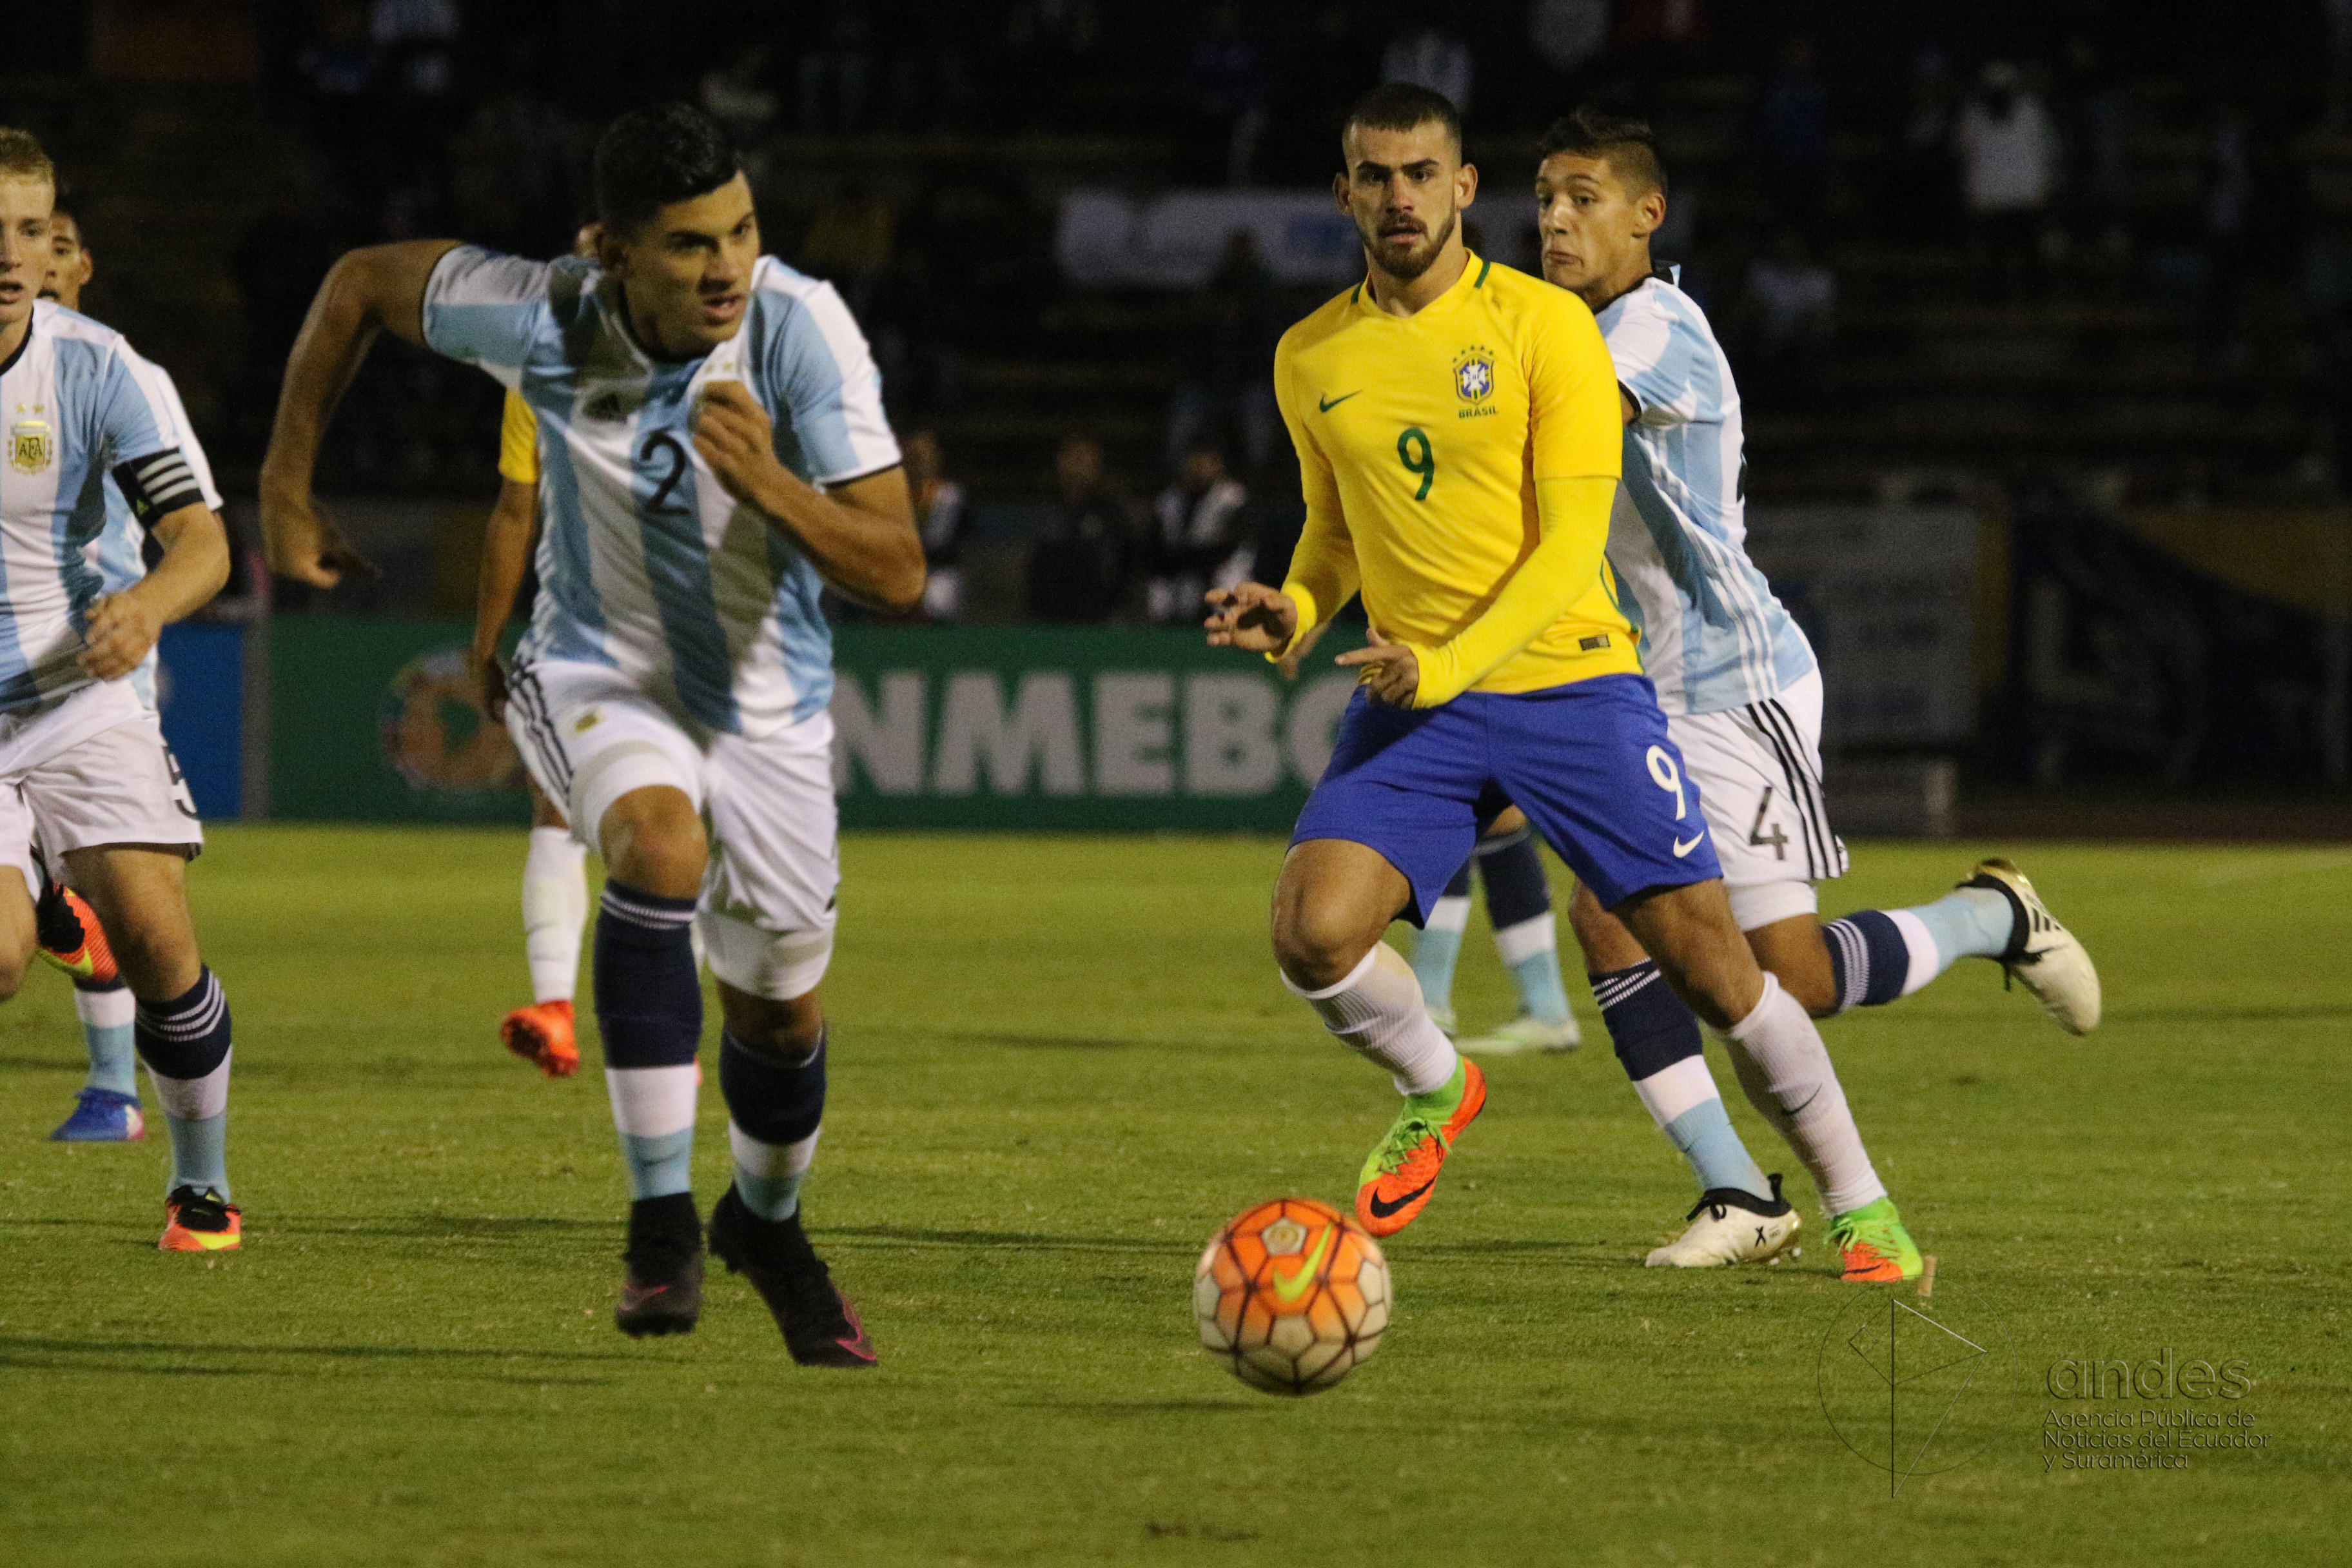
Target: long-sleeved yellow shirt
1458 466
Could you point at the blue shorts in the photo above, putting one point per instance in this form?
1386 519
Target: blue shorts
1590 764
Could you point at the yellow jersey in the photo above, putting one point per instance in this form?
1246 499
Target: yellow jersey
1422 440
518 442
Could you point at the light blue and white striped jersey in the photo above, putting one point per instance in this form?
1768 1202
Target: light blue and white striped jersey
120 562
96 440
1713 635
646 563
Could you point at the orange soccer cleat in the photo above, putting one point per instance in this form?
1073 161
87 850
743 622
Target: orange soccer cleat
70 936
1398 1177
541 1034
202 1221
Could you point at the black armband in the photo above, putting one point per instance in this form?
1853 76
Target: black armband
158 483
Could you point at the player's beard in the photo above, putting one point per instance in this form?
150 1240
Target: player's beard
1416 261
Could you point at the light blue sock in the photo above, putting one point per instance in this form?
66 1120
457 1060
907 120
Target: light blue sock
200 1152
1542 993
1707 1139
1966 923
108 1015
1435 952
1437 946
774 1198
659 1165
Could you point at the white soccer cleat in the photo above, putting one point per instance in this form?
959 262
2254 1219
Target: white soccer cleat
1524 1036
2050 960
1730 1226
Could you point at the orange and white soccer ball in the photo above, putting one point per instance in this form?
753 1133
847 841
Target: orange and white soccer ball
1294 1296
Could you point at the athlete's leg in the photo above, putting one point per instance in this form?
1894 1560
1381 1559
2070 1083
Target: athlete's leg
648 995
554 901
1333 903
554 913
17 932
1658 1042
1776 1050
138 892
768 933
649 1009
1437 948
772 1070
1519 904
106 1108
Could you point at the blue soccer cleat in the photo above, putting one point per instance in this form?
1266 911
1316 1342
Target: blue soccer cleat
103 1116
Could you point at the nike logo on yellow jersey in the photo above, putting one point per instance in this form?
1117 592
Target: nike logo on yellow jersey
1329 404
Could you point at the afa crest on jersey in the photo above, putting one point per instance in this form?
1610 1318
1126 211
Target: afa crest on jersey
31 448
1474 379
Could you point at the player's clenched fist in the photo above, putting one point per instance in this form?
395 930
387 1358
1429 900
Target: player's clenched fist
1252 617
736 437
302 543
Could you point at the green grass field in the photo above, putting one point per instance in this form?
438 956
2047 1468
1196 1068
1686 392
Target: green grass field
1058 1064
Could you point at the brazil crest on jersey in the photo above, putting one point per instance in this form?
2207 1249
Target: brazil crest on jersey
96 445
646 563
1713 635
1425 436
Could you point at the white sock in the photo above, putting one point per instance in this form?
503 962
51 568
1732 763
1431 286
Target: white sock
555 912
653 1110
1378 1011
1785 1069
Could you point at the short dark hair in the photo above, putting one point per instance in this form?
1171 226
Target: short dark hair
1629 146
651 157
1402 106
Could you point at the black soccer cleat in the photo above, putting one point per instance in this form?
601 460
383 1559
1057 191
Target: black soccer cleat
821 1328
661 1293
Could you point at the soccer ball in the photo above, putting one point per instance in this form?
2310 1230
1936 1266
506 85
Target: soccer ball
1293 1294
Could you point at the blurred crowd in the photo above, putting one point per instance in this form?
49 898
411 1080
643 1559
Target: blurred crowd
913 152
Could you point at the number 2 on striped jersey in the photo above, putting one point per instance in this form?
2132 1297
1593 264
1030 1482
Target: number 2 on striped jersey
1425 464
662 444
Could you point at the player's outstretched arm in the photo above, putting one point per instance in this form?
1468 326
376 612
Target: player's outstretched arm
370 290
506 547
123 626
860 535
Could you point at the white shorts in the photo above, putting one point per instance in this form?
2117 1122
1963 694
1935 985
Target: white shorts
589 735
1758 772
91 768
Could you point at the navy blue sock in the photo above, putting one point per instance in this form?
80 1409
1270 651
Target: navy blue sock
774 1111
1512 868
1869 960
649 1008
1658 1041
185 1044
649 995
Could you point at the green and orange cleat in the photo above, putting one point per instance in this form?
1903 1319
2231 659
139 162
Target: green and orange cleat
1400 1174
70 937
201 1221
1873 1245
542 1035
